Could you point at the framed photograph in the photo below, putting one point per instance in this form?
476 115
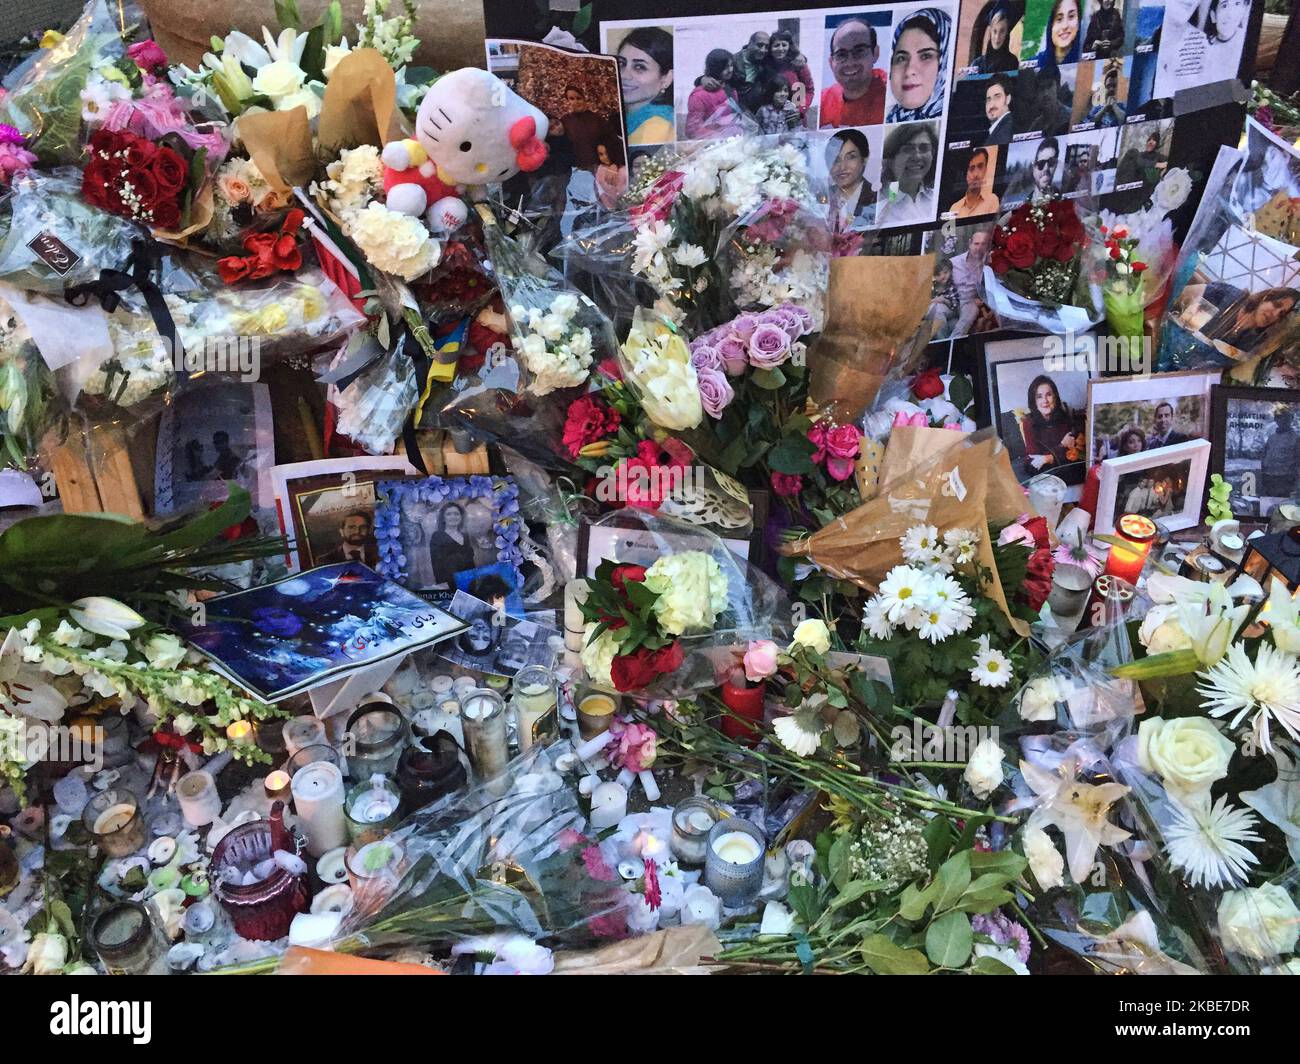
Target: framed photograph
218 432
1127 415
495 642
1037 398
286 637
440 535
327 508
1256 433
1166 485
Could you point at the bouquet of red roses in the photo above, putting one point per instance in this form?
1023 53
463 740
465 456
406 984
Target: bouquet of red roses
132 176
1037 249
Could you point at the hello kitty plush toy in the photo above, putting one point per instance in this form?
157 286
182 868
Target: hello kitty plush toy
471 130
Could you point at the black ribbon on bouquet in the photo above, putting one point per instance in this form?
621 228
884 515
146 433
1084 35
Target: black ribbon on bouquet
107 288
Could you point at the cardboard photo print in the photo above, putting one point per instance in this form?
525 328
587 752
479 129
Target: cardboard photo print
971 182
855 70
920 64
1101 93
214 433
957 303
989 38
286 637
1045 100
1105 34
1256 434
580 95
851 162
1053 34
1034 169
1142 157
494 642
1269 178
908 175
1130 415
1200 43
327 508
646 71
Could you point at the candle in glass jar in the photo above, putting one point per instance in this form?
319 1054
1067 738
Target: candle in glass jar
535 700
735 847
200 802
575 594
483 717
318 800
301 732
1128 561
595 712
608 805
733 867
113 819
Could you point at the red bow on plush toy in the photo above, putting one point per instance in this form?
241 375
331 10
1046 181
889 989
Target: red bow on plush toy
530 150
268 253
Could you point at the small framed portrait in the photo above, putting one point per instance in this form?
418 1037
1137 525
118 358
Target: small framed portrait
1127 415
1256 434
1037 396
327 508
1166 484
215 433
438 535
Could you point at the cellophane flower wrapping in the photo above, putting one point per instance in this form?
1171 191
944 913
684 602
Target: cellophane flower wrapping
509 853
712 605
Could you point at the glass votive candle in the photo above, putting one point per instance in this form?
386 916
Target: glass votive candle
483 716
115 823
124 937
372 809
535 700
1047 495
733 864
310 755
693 819
299 733
595 713
378 732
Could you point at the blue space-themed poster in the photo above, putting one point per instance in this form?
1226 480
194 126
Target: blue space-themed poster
283 638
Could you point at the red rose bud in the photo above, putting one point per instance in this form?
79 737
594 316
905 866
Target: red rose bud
928 385
1138 267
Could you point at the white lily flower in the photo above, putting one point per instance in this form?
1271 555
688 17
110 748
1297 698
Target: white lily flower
105 616
1283 616
23 692
1211 630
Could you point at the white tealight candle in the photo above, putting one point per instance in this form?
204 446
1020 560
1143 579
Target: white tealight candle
736 847
114 818
608 805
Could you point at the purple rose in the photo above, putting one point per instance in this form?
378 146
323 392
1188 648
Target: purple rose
715 391
805 317
734 354
784 319
769 346
705 357
743 327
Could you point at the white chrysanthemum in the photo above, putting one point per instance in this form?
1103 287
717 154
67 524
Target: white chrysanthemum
692 590
919 542
992 667
395 243
961 544
1264 690
651 239
689 255
565 305
875 620
800 733
945 590
1205 842
937 621
904 590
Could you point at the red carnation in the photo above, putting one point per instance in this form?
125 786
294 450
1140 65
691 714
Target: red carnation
1037 527
928 385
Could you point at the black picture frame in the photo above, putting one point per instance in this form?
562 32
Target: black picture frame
1220 399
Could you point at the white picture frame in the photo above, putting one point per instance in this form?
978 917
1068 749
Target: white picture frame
1155 389
1116 474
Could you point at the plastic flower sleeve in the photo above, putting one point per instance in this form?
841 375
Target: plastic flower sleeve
509 853
710 602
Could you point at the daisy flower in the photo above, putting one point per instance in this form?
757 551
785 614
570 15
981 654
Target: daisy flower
937 621
992 667
800 733
875 620
946 590
903 591
1266 689
1205 842
919 543
961 544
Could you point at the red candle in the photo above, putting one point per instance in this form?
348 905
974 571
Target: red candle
745 702
1127 561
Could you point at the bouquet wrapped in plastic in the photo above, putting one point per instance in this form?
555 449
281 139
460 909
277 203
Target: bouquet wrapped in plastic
668 604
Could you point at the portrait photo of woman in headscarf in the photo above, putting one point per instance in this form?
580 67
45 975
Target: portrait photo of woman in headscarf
918 63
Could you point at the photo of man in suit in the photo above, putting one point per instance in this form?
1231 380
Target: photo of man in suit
357 541
997 109
1165 433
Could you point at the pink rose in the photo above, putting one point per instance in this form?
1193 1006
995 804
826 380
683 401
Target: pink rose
760 660
1016 534
147 55
785 319
844 441
706 357
787 485
715 391
817 436
839 468
804 316
734 355
769 346
743 327
634 748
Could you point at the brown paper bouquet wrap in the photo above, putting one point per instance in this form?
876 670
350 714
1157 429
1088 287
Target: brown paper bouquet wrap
968 484
873 308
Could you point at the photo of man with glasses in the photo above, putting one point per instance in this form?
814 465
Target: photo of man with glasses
1032 171
857 98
